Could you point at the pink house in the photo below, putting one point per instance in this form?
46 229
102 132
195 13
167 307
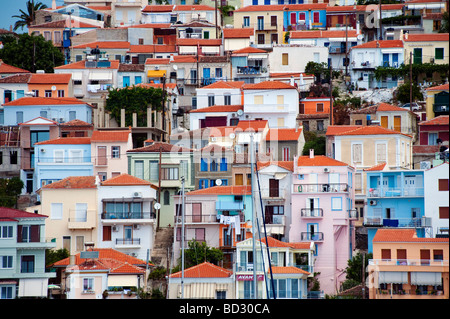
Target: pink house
108 149
323 200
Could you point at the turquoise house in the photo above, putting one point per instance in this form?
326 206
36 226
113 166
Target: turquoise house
395 199
304 17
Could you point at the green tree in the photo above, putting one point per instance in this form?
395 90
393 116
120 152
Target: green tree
54 255
199 252
31 53
402 93
10 188
354 267
312 141
444 23
28 17
134 99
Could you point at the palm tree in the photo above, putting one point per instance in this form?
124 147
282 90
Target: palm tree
27 18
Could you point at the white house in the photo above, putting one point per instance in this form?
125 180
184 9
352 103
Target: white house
436 198
220 93
295 57
274 101
127 218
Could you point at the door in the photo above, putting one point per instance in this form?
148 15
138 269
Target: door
128 234
239 179
260 23
196 212
101 155
206 73
410 185
424 256
274 188
397 123
384 121
81 212
417 56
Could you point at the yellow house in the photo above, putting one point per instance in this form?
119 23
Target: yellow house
71 207
437 101
407 267
427 48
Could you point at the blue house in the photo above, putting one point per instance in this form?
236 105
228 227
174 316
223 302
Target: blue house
22 255
60 158
54 108
305 16
395 199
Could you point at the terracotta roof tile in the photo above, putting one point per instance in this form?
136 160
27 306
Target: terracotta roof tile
369 130
319 160
156 61
11 214
104 45
204 270
158 8
248 50
257 125
282 7
225 85
150 48
47 78
380 44
184 59
269 85
218 108
238 33
440 120
157 146
289 165
288 270
439 87
125 180
426 37
110 136
45 101
67 141
6 68
73 182
76 122
283 134
337 129
16 78
385 107
403 235
378 167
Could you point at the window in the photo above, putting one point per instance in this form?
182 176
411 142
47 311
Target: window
47 35
6 292
223 164
284 59
106 233
386 254
58 156
432 138
439 53
60 93
19 117
443 184
139 169
417 56
203 165
286 153
27 264
194 77
88 284
115 151
200 234
56 211
211 100
320 126
154 170
381 153
227 99
194 102
246 21
258 99
72 115
357 153
6 232
6 262
443 212
48 93
316 17
438 255
273 21
169 173
319 107
166 197
213 165
336 203
261 38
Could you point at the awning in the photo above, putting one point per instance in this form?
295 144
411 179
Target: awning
258 56
33 287
77 76
426 278
122 280
100 76
393 277
156 73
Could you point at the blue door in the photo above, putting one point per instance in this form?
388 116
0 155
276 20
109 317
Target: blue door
385 59
255 2
395 59
126 81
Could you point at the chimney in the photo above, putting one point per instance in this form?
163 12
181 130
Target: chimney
53 4
311 153
291 82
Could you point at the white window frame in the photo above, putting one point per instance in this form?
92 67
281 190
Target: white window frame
56 210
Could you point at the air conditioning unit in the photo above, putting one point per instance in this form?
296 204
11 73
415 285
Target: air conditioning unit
326 170
372 202
137 227
179 220
137 195
43 150
213 139
115 228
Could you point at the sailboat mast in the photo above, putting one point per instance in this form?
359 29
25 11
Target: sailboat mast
252 161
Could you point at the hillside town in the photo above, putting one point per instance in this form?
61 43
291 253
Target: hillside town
232 149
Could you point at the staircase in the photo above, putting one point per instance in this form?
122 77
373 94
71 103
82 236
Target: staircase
162 247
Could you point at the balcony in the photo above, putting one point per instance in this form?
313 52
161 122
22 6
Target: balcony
82 219
208 81
311 212
320 188
197 219
252 70
230 205
109 218
397 222
128 242
396 192
101 161
310 236
409 262
273 194
352 213
336 50
441 108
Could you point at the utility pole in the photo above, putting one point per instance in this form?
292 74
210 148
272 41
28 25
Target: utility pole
255 280
182 237
410 81
380 23
331 93
163 79
159 186
363 275
346 48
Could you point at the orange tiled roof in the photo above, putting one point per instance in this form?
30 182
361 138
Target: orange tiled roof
370 130
378 167
337 129
269 85
45 101
403 235
124 180
184 59
380 44
319 160
322 34
225 85
439 87
248 50
238 33
105 253
110 136
67 141
223 190
252 124
218 108
160 146
11 214
385 107
440 120
73 182
426 37
282 7
47 78
289 165
204 270
288 270
157 61
76 122
201 42
6 68
150 48
283 134
158 8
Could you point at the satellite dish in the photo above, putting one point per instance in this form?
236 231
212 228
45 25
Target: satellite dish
157 206
175 67
240 112
232 135
218 182
53 88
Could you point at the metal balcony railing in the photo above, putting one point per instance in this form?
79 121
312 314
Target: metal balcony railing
128 215
376 221
311 212
128 241
316 236
320 188
396 192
